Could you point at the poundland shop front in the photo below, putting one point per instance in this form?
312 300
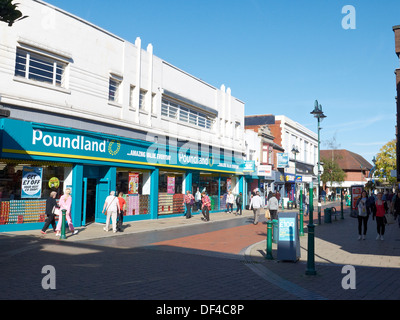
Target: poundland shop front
39 158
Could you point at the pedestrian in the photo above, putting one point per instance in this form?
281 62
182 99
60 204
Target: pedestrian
379 209
122 206
239 203
230 199
111 208
65 204
205 206
273 206
363 212
278 196
256 204
197 198
396 206
51 205
188 200
306 205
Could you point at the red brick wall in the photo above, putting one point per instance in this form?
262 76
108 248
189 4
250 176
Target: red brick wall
276 132
356 175
397 40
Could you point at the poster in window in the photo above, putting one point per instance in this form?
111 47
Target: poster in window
229 184
31 183
133 183
171 185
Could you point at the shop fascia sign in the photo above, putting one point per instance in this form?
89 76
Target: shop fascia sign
264 170
47 140
282 160
249 166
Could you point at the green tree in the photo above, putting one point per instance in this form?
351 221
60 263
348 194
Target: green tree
9 12
386 162
332 172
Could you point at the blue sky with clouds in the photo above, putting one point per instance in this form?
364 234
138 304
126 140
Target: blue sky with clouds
276 56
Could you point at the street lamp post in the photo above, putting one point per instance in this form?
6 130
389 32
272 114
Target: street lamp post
295 151
317 112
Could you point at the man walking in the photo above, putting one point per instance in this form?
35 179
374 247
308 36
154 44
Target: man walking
256 204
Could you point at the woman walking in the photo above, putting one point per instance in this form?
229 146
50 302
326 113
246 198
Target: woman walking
363 212
379 209
51 205
122 207
65 204
273 207
188 200
206 206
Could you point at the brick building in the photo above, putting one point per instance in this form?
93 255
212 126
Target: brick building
357 169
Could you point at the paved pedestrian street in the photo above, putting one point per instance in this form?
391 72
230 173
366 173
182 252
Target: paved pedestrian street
188 259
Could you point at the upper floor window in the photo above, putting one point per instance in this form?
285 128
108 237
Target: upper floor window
113 89
40 68
142 99
183 113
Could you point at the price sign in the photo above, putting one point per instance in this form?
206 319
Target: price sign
31 182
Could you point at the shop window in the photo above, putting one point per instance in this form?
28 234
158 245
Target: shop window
18 204
170 196
135 186
207 182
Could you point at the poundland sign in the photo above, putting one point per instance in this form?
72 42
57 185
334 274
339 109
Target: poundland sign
77 143
35 141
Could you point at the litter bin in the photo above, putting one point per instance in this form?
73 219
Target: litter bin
275 227
328 215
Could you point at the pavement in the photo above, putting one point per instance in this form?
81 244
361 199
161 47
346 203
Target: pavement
375 264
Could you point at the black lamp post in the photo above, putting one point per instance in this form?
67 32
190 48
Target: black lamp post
317 112
295 151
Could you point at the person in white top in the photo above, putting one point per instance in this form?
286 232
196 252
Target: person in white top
111 205
197 198
256 205
230 199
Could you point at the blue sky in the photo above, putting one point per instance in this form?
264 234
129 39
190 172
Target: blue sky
276 56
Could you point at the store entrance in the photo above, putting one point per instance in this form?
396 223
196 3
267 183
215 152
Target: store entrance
89 205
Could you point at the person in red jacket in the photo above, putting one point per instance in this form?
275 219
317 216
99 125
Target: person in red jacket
379 209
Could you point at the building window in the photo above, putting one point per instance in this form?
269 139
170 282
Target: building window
237 130
142 99
40 68
153 103
132 96
113 89
185 114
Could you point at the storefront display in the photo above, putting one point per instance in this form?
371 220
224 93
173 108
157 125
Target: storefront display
24 188
152 177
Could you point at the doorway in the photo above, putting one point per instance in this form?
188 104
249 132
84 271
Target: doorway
89 207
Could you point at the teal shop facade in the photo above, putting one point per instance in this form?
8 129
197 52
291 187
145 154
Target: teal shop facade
152 175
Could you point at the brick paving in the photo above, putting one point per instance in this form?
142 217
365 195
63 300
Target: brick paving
212 263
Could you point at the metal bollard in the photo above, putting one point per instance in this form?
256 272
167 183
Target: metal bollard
64 213
269 241
301 213
341 209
